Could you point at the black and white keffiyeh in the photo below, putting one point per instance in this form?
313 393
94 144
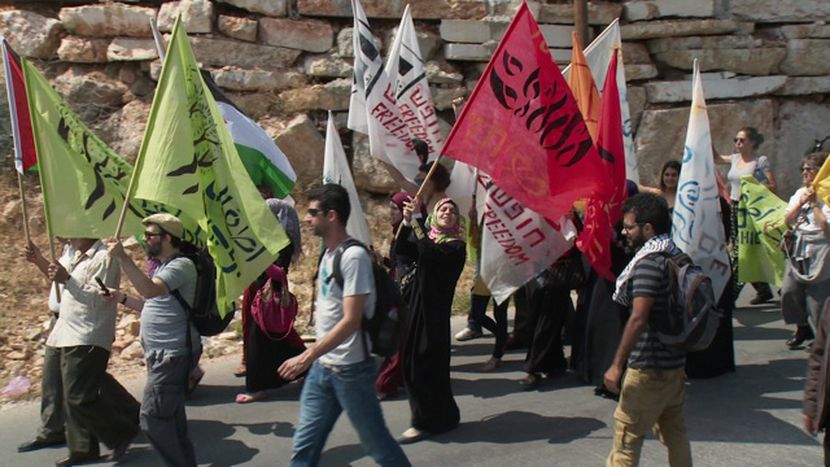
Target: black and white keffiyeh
658 244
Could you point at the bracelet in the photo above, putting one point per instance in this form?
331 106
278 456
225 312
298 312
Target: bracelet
123 300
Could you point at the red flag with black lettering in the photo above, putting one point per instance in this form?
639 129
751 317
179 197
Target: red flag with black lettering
522 126
605 207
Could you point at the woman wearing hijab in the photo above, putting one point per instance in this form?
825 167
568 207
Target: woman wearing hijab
265 352
440 253
390 376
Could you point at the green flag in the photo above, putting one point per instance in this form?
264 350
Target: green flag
760 229
82 179
188 160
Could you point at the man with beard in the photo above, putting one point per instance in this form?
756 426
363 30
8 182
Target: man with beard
652 391
165 326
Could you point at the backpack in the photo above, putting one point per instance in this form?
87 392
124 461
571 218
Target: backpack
385 327
693 316
273 308
204 313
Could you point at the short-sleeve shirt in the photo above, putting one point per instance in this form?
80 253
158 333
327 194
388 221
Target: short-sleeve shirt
164 321
757 168
86 317
650 278
806 213
358 279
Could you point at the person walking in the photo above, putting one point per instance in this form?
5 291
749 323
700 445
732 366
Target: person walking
83 333
652 392
341 373
166 334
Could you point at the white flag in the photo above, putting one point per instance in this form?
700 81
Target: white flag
463 188
517 244
373 109
598 55
336 170
405 69
697 228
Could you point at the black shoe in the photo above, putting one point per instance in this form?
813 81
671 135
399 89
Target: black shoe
762 297
530 382
802 334
40 443
119 451
78 460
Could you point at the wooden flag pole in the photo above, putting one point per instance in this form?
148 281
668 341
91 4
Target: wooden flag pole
456 108
23 208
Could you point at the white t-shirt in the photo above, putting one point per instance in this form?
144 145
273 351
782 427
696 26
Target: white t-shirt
358 279
810 224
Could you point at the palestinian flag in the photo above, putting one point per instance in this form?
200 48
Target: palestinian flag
264 161
25 156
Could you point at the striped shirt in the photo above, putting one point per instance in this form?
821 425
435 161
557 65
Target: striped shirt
650 278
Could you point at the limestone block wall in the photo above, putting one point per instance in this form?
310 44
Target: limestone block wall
766 64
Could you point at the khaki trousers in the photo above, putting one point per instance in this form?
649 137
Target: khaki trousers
650 399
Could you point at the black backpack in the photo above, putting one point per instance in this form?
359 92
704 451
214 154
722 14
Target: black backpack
693 317
386 326
204 313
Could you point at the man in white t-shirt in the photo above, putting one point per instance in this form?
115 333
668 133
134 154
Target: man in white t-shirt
341 373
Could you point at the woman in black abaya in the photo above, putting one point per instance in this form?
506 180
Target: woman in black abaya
440 253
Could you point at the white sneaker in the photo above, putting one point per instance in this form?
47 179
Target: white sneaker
467 334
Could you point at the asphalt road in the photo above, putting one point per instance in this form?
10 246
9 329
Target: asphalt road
749 418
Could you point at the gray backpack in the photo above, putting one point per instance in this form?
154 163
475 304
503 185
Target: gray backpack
693 316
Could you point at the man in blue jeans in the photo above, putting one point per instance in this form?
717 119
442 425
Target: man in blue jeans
341 375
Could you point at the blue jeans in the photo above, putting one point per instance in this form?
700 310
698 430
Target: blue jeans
330 389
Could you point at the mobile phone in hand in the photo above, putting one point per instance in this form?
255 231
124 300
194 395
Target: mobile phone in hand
103 287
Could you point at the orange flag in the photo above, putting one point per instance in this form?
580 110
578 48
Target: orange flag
581 82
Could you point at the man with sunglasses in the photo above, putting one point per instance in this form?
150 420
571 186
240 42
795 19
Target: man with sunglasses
652 391
341 374
165 326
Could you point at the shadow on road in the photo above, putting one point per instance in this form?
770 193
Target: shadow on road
504 428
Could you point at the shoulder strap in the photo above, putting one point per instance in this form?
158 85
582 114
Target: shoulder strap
338 256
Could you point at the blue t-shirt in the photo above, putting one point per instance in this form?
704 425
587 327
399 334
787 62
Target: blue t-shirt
163 319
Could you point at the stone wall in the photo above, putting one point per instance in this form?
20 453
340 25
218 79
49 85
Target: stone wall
286 62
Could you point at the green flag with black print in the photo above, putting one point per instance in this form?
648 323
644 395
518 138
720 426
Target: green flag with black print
761 227
188 160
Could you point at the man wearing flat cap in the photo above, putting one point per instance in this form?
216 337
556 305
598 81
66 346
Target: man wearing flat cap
165 326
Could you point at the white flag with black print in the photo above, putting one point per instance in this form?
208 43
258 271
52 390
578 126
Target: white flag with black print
405 69
373 109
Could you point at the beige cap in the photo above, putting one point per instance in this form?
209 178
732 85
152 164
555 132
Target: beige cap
170 223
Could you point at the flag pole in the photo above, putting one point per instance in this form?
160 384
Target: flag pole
160 49
456 107
23 208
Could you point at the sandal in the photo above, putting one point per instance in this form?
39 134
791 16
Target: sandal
246 398
240 371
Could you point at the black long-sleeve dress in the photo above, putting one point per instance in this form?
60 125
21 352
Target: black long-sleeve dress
426 354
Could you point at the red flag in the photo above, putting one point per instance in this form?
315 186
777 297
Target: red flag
605 206
24 142
523 128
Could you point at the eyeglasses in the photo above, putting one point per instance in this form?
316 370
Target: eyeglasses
153 234
809 169
629 227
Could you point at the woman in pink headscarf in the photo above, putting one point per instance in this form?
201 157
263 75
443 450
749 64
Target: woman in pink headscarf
439 248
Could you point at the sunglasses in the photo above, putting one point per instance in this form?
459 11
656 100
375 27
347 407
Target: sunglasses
153 234
313 212
809 169
742 140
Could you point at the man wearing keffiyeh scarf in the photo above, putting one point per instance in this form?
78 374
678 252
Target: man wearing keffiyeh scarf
652 392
